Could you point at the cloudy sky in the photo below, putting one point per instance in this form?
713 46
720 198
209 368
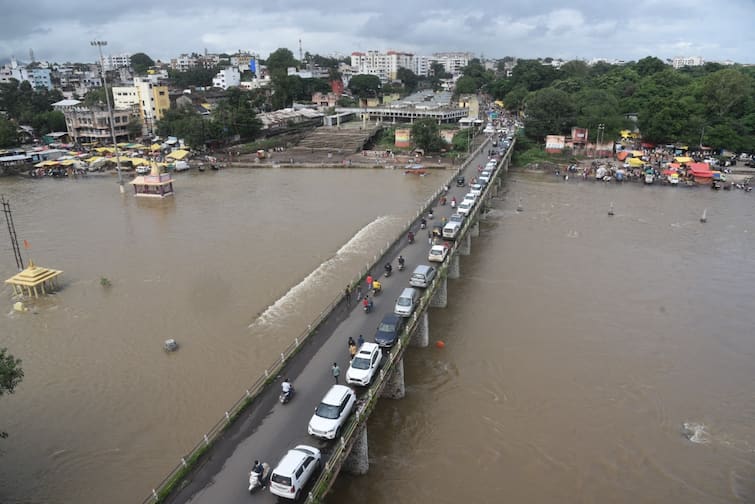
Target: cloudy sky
61 31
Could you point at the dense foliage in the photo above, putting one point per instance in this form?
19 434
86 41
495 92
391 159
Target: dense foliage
197 76
11 375
426 135
234 116
711 104
24 105
140 63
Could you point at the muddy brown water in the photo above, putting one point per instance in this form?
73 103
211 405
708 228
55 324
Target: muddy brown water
234 267
588 358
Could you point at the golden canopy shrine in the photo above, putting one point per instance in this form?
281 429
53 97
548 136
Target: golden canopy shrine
33 280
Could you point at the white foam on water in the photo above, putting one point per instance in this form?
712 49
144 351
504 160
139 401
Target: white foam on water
362 243
695 432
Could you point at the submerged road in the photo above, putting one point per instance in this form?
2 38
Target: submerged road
269 429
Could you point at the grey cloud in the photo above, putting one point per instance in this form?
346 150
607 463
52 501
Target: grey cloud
60 32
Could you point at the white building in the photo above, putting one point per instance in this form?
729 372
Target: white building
383 64
184 62
421 66
115 61
226 78
682 61
452 62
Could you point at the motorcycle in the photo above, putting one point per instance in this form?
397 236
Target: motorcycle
443 201
430 214
367 306
453 203
422 224
255 481
388 272
410 238
285 397
401 266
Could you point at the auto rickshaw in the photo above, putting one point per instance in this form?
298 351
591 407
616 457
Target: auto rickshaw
460 181
437 231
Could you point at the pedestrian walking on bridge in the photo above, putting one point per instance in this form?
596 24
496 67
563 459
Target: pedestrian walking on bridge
336 371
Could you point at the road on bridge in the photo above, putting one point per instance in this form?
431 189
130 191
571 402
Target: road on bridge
271 428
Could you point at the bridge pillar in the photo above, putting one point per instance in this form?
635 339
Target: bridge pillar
394 387
465 247
454 271
358 461
421 336
474 229
440 298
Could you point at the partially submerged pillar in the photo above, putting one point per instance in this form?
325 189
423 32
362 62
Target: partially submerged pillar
421 336
454 271
394 387
474 229
358 461
440 296
465 246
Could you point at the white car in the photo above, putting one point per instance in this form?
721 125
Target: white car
365 364
293 471
438 253
475 189
465 207
332 412
456 218
470 196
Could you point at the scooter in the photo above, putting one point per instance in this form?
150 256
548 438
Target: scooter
255 481
388 272
401 266
410 238
367 306
285 397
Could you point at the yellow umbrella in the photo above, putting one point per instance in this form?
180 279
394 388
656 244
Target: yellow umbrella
154 147
635 162
683 159
178 154
637 153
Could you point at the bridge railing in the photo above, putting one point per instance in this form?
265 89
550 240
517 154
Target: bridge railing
187 462
348 437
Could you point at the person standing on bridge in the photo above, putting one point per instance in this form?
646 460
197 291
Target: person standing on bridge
336 371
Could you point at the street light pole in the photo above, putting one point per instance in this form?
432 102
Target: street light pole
99 44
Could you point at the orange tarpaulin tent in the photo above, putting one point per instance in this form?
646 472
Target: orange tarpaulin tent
621 156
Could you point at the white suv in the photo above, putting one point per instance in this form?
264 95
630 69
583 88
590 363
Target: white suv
332 412
293 471
364 365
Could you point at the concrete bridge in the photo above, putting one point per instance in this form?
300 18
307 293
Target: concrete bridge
259 427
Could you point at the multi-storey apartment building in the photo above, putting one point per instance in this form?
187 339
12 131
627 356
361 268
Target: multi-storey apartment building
383 64
683 61
92 124
144 98
228 77
115 61
453 62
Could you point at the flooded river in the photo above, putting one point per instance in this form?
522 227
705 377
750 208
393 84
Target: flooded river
233 268
588 358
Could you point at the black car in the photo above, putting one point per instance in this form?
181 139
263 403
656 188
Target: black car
460 181
389 330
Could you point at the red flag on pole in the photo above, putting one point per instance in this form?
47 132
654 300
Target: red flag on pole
26 245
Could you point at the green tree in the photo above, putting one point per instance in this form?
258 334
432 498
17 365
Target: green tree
549 112
197 76
96 96
408 78
8 133
134 128
514 100
47 122
649 66
140 62
365 86
726 92
11 375
186 123
461 141
466 85
279 61
237 116
426 135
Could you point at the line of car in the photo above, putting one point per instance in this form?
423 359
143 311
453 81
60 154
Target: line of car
296 468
